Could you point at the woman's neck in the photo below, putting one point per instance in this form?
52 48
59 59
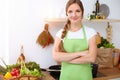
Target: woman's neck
75 27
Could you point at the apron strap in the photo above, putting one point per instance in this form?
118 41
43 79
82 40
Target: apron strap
84 33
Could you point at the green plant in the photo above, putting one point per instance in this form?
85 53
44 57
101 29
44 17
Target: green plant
106 44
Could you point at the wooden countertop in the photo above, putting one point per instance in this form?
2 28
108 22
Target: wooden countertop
103 74
107 74
108 77
47 76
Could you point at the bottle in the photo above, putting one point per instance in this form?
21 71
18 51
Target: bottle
116 57
97 6
21 58
119 61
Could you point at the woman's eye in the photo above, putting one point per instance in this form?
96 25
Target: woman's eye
70 11
77 10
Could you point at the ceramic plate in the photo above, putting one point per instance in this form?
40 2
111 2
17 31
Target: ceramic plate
104 9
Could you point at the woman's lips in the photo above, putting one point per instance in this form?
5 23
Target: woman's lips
74 19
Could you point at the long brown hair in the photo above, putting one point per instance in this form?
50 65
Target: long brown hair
67 25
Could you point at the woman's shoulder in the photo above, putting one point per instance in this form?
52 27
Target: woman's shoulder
90 31
59 33
89 28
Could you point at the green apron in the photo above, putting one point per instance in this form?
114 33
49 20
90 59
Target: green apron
76 71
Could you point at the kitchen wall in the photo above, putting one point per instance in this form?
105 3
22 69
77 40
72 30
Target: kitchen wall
3 30
23 20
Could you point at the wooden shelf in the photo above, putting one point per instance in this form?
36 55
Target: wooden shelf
55 19
101 20
84 20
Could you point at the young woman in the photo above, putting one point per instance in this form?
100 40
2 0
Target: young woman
79 42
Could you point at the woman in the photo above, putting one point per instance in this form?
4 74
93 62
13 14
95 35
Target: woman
79 42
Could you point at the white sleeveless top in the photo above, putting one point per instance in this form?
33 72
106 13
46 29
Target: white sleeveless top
90 32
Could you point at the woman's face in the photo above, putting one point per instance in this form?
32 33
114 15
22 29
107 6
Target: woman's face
74 13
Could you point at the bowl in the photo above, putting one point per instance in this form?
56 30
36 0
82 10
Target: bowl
54 71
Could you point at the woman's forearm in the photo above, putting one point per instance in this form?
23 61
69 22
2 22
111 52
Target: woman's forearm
82 60
92 53
66 57
89 58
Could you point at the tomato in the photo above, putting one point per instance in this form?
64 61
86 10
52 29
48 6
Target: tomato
15 72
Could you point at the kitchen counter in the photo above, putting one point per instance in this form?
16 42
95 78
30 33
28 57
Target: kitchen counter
103 74
48 76
109 77
108 73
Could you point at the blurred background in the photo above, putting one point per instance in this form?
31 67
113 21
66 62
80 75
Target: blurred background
21 22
